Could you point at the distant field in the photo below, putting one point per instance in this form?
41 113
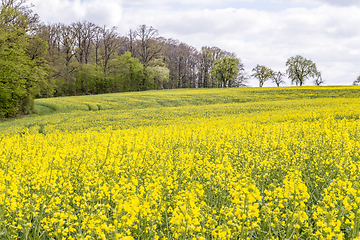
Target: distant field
127 110
241 163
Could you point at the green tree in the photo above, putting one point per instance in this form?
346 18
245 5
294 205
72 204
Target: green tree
126 73
158 76
89 79
225 70
22 66
300 69
262 73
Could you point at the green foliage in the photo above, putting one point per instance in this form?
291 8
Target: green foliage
158 75
225 70
300 69
126 72
22 66
88 79
262 73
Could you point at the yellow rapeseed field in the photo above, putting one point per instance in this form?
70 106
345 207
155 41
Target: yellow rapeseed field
246 164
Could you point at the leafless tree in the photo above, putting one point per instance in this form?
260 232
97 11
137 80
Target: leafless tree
182 61
83 33
132 41
205 65
97 39
148 48
242 78
277 78
50 33
357 81
67 46
111 42
318 79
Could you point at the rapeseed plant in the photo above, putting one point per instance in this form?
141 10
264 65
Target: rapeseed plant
252 171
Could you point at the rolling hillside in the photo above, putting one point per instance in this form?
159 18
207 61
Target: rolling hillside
276 163
127 110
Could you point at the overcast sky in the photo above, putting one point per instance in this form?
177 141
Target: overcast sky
265 32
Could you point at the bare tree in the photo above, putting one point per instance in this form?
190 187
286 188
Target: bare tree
218 53
205 65
169 53
148 47
132 41
83 33
179 64
188 73
193 65
318 79
242 78
111 43
51 34
97 39
277 78
357 81
67 46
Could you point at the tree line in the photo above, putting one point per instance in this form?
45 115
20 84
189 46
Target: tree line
55 59
299 69
85 58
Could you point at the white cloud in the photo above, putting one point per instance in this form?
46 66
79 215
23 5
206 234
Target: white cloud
340 2
329 2
107 12
324 34
197 2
